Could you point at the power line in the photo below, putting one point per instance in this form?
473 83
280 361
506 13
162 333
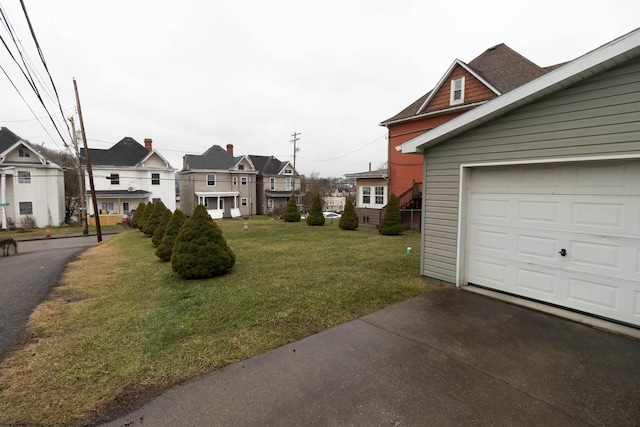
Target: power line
28 71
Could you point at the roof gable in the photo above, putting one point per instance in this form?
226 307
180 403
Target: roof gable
496 71
605 57
10 144
438 98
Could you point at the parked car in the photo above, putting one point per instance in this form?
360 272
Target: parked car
331 215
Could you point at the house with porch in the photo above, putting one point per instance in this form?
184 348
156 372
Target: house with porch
31 185
534 196
126 175
463 87
372 192
225 184
275 182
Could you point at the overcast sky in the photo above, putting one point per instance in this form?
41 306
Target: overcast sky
190 74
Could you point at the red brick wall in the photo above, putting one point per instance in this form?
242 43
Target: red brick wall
404 169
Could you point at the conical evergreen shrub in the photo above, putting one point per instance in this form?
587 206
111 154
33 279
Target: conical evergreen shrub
137 214
158 234
315 217
200 250
391 224
146 211
291 213
154 217
165 248
349 219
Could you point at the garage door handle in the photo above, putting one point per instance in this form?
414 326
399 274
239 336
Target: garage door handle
563 252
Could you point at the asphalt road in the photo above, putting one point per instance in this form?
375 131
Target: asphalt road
27 278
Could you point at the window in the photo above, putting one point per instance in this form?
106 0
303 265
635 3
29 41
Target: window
272 183
270 203
155 179
244 201
23 152
114 178
241 167
379 195
235 181
211 180
457 91
24 177
107 207
289 184
288 171
366 195
243 180
125 208
26 208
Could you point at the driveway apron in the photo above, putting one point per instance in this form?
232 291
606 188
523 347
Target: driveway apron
444 358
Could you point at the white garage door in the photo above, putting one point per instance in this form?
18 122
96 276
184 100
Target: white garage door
522 219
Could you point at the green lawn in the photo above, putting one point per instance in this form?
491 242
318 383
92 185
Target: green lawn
121 326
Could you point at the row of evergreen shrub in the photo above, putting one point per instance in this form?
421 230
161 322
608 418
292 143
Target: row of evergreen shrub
391 222
196 248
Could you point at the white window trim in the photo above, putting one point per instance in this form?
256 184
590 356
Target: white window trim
244 201
207 180
244 180
235 181
453 101
288 184
272 183
288 171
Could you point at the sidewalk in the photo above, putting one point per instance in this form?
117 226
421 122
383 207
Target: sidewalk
445 358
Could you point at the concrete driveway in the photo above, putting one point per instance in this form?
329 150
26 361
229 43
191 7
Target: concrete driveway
446 358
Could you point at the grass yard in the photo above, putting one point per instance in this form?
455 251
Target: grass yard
121 328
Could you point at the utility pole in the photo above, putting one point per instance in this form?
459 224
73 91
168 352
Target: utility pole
81 188
295 150
96 213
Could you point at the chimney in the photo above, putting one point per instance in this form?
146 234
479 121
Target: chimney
230 149
148 144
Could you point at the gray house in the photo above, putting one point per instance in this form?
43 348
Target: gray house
536 194
225 184
274 184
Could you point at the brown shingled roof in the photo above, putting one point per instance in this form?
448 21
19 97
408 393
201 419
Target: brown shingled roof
500 66
505 68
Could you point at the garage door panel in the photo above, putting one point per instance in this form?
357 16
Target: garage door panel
594 294
537 246
537 283
600 214
516 230
539 211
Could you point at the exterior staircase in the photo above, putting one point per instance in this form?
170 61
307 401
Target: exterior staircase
412 198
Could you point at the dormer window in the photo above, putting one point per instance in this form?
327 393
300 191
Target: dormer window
23 152
457 91
241 167
288 171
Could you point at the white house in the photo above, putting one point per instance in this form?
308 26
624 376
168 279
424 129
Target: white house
372 195
128 174
30 183
536 194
